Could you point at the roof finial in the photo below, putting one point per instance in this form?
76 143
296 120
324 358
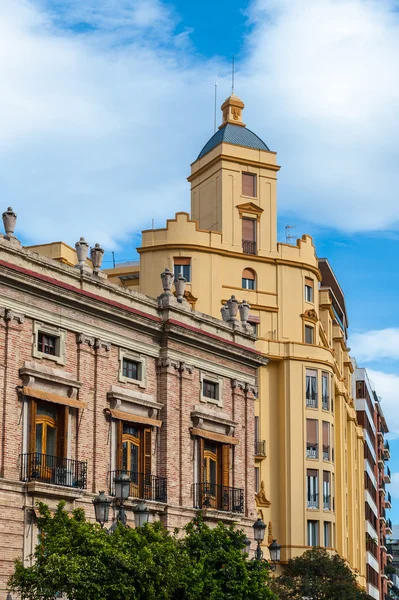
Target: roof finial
232 76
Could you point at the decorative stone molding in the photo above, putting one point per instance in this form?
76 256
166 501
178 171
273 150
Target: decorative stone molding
133 403
251 389
9 315
82 338
270 535
236 384
99 344
310 315
184 367
251 209
260 497
166 363
48 379
82 250
209 420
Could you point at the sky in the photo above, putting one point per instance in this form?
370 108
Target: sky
105 103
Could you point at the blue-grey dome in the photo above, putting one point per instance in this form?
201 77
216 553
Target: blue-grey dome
234 134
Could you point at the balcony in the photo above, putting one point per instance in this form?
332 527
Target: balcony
383 515
326 502
387 452
53 470
325 403
313 501
312 450
218 497
248 247
388 503
387 475
142 485
388 527
381 486
311 401
260 448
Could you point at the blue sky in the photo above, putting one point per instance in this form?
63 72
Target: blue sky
108 102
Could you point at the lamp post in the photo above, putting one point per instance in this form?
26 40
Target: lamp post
102 503
101 508
141 514
274 548
247 545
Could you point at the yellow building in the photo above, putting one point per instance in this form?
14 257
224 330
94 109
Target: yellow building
309 449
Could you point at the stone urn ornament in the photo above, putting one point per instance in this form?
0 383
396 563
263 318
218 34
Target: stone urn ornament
9 222
232 306
225 313
97 254
82 250
167 280
180 286
244 309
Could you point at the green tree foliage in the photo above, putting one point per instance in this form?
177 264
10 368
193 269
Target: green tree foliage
316 575
79 559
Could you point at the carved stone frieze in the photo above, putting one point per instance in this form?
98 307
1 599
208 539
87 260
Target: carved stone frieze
166 363
251 389
184 367
82 338
310 314
260 497
236 384
9 315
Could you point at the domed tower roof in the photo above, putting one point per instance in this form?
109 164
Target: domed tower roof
233 130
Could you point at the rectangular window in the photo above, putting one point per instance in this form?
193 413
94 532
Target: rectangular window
249 185
249 236
210 389
308 289
257 479
182 266
311 388
47 344
325 391
326 490
213 477
131 369
327 535
326 440
309 334
332 443
134 457
312 438
313 533
312 485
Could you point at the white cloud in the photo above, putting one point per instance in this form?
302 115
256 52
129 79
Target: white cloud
387 388
103 107
375 345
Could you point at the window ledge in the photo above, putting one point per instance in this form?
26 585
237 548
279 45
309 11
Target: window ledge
56 491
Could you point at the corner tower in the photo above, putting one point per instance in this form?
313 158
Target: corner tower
233 185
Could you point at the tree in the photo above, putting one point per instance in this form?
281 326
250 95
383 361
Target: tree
318 576
79 559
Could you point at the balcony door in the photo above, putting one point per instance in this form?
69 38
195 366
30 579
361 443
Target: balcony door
134 457
213 488
48 440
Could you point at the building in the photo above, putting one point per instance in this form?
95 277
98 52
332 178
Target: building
376 475
309 446
98 380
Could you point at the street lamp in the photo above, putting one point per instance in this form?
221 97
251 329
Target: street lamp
247 545
122 487
141 514
9 597
274 548
101 509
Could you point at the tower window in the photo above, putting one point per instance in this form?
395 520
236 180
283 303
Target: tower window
249 236
249 185
308 289
248 279
309 334
182 266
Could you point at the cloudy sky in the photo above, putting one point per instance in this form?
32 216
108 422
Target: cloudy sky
105 103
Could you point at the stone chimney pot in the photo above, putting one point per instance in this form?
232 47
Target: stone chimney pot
9 222
167 280
225 312
244 309
232 305
96 255
180 286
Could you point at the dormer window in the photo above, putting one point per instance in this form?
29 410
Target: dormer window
249 185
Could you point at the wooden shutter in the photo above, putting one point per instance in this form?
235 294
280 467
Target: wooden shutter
32 426
62 431
311 431
225 465
312 473
248 184
326 433
200 460
147 450
248 230
119 435
181 260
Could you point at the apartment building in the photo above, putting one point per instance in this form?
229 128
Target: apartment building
98 380
376 477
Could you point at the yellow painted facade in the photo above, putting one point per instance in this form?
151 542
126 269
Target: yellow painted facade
212 239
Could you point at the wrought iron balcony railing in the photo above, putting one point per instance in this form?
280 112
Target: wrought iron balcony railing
54 470
312 450
142 485
218 497
260 448
311 401
248 247
313 500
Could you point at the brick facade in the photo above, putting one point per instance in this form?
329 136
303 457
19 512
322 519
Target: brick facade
95 322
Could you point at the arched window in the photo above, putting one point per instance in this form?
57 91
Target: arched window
248 279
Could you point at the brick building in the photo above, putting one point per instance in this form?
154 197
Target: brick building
96 379
376 475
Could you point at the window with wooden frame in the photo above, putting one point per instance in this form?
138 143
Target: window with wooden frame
132 368
134 449
182 265
48 441
49 342
309 334
211 388
248 279
214 474
312 438
248 236
309 291
249 185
